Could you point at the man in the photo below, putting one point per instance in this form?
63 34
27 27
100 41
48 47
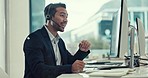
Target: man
45 53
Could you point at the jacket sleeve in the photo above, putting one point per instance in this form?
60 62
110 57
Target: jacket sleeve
80 55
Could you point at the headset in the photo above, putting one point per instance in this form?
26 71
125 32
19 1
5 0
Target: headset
47 12
50 10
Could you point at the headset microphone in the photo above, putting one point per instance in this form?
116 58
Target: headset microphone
55 23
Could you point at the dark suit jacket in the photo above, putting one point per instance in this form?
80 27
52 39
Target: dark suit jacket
40 59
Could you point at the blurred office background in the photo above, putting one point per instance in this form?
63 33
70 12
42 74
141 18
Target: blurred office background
91 21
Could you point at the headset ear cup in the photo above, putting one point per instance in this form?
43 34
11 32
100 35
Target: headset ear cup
48 17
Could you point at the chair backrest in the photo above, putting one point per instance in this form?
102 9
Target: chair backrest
3 74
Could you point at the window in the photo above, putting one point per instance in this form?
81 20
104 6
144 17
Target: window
91 21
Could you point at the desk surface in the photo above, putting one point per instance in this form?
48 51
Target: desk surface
140 72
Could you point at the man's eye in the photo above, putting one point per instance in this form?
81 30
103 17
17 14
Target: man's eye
63 15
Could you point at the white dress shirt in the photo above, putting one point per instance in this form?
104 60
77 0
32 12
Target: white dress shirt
54 41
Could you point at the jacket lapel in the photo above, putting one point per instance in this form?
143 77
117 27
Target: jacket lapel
62 52
47 42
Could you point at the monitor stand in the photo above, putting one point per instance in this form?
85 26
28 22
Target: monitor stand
132 37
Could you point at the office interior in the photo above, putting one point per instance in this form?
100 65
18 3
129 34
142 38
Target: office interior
18 18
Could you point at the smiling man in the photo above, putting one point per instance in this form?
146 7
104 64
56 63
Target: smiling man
45 53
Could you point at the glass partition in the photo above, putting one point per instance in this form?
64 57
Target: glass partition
92 20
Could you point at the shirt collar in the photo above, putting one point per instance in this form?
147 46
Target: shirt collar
52 38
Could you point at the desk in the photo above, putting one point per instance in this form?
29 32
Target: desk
140 72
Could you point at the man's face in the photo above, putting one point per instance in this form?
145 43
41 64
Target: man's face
60 18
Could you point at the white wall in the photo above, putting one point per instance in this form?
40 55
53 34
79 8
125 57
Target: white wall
17 18
2 35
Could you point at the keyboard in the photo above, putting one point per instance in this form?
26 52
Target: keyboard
97 63
105 63
112 67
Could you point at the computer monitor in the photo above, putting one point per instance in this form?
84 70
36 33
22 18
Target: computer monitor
141 37
119 39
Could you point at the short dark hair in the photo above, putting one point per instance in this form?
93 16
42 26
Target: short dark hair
50 9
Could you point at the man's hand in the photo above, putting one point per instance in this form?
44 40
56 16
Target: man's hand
84 45
78 66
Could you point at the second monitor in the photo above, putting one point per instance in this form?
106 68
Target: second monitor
119 39
141 37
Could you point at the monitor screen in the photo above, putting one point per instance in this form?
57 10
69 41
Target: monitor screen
141 37
119 39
